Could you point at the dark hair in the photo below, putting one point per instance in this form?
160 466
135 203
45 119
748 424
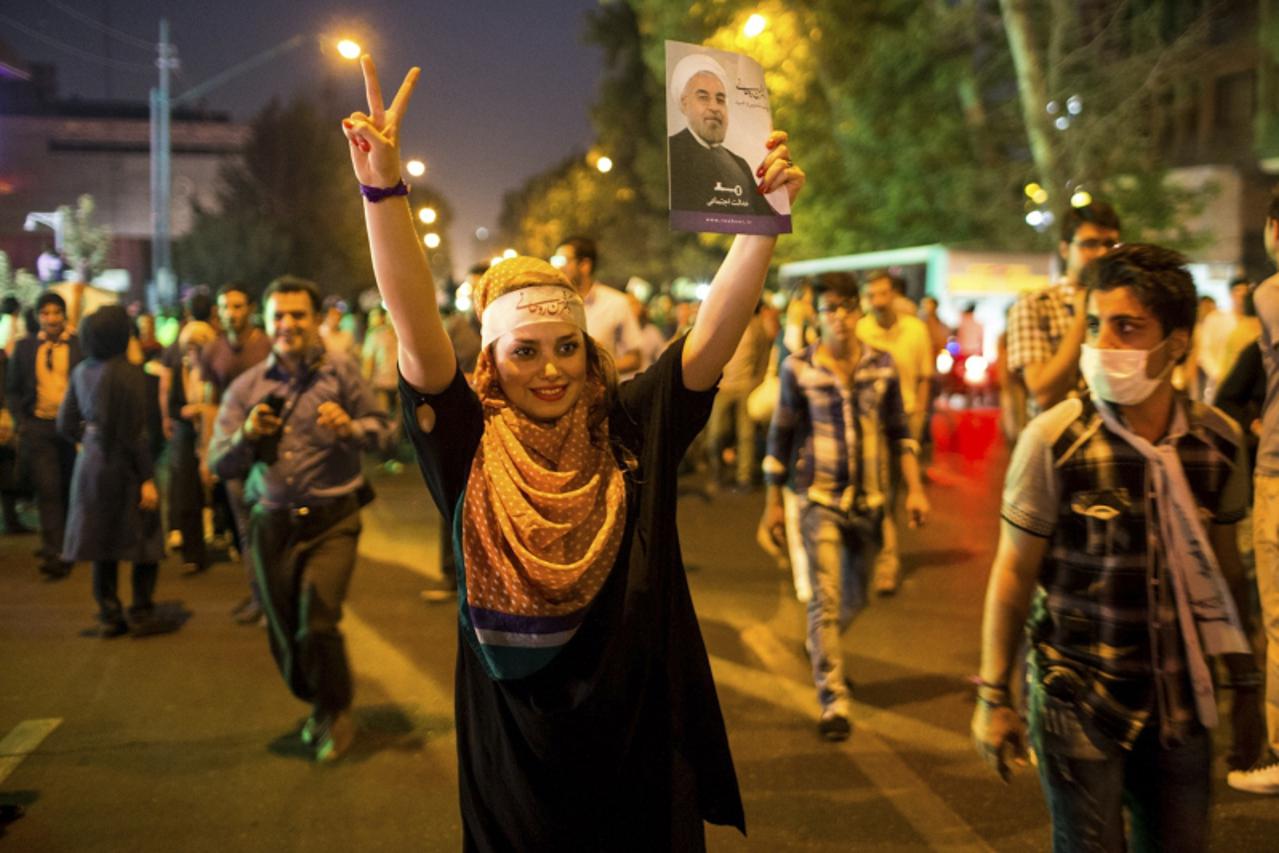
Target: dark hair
898 283
199 304
293 284
235 287
105 333
478 269
1273 212
840 283
1097 213
1158 278
583 249
10 305
1249 304
50 298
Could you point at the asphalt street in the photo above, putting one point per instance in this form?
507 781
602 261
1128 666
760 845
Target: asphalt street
187 741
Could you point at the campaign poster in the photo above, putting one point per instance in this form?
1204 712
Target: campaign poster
717 123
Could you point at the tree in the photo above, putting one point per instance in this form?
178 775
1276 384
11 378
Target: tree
1092 79
84 244
19 283
290 205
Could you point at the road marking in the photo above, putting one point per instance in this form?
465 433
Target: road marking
761 640
383 543
403 681
22 741
909 794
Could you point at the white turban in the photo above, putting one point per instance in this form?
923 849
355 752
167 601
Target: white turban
689 67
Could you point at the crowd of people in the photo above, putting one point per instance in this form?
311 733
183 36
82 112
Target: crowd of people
1136 573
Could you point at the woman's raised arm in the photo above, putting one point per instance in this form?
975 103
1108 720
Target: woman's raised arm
399 261
734 292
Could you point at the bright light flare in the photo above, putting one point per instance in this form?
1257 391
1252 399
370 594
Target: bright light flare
432 240
509 253
754 25
1081 198
348 49
427 215
605 165
558 261
975 370
416 168
945 363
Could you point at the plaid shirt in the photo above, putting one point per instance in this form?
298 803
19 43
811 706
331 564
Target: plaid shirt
1037 325
832 436
1104 623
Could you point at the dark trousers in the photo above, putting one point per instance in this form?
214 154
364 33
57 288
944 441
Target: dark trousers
105 580
234 490
186 492
1166 790
303 566
49 458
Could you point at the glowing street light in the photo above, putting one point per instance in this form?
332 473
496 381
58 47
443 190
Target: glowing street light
427 215
432 240
604 164
755 25
416 168
349 49
1081 198
509 253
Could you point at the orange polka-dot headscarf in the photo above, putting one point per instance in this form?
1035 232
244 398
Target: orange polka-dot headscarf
544 511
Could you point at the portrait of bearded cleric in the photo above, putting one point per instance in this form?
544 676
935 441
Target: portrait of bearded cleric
705 175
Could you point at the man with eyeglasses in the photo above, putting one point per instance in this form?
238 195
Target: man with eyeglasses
1046 327
839 412
37 381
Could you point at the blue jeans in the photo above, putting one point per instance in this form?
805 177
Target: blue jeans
1088 781
840 547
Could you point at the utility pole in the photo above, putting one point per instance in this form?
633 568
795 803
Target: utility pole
161 174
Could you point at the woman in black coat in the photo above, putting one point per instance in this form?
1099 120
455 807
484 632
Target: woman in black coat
114 503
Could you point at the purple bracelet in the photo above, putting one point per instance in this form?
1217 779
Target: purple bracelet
375 194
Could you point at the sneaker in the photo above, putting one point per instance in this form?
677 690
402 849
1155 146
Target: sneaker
335 739
311 730
834 726
1261 779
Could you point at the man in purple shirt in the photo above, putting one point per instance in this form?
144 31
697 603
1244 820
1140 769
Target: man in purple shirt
293 427
240 346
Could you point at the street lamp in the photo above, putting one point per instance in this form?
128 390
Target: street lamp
416 168
754 25
349 49
432 240
427 215
604 164
162 104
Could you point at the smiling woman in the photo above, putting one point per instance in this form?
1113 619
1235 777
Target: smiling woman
582 680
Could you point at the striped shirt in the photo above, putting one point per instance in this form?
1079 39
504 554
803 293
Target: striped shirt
1037 324
830 437
1104 621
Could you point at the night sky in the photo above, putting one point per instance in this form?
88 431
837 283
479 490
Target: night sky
505 90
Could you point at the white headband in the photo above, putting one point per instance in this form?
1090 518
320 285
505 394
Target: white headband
689 67
543 303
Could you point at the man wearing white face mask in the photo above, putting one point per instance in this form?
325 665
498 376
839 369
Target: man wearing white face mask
1119 515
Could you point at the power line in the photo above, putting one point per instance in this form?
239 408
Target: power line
88 20
75 51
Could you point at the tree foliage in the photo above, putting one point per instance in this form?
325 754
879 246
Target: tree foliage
84 244
290 205
19 283
906 115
